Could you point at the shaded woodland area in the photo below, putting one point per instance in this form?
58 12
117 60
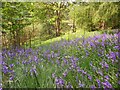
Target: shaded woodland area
24 22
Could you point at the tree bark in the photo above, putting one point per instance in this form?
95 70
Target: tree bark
58 21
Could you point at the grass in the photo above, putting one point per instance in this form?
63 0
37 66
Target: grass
63 63
68 36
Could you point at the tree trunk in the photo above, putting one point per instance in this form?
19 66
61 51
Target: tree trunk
30 38
58 23
13 39
17 39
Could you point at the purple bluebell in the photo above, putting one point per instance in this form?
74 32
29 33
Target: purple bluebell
11 65
119 82
112 56
36 59
104 64
65 73
83 72
78 69
58 62
100 72
59 81
107 84
92 87
81 85
33 70
65 61
99 82
89 77
106 77
11 78
5 69
53 75
73 65
69 85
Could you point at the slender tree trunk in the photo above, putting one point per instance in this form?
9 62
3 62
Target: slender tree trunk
30 38
17 39
74 28
58 23
13 40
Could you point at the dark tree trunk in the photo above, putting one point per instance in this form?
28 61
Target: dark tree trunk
13 39
17 39
58 21
30 38
74 27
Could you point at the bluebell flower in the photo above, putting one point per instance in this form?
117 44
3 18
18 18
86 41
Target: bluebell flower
59 82
65 73
11 65
11 78
92 87
107 84
106 77
78 69
53 75
33 70
81 85
69 85
89 77
99 83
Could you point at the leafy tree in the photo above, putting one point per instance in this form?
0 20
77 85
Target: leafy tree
51 15
106 16
15 16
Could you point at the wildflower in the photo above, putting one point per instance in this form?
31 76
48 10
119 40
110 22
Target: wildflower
5 69
112 55
116 47
11 65
119 82
11 78
87 54
89 77
106 77
92 87
78 69
53 75
104 65
36 59
84 72
59 81
73 65
100 72
33 70
91 64
65 61
92 44
0 86
107 84
58 62
81 85
69 85
98 81
99 54
65 73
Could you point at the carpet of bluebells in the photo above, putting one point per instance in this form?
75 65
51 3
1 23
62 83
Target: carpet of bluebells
78 63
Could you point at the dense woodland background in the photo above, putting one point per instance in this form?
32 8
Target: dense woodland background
25 22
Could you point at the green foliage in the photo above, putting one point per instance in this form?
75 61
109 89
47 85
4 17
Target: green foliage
15 15
50 15
92 16
107 12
